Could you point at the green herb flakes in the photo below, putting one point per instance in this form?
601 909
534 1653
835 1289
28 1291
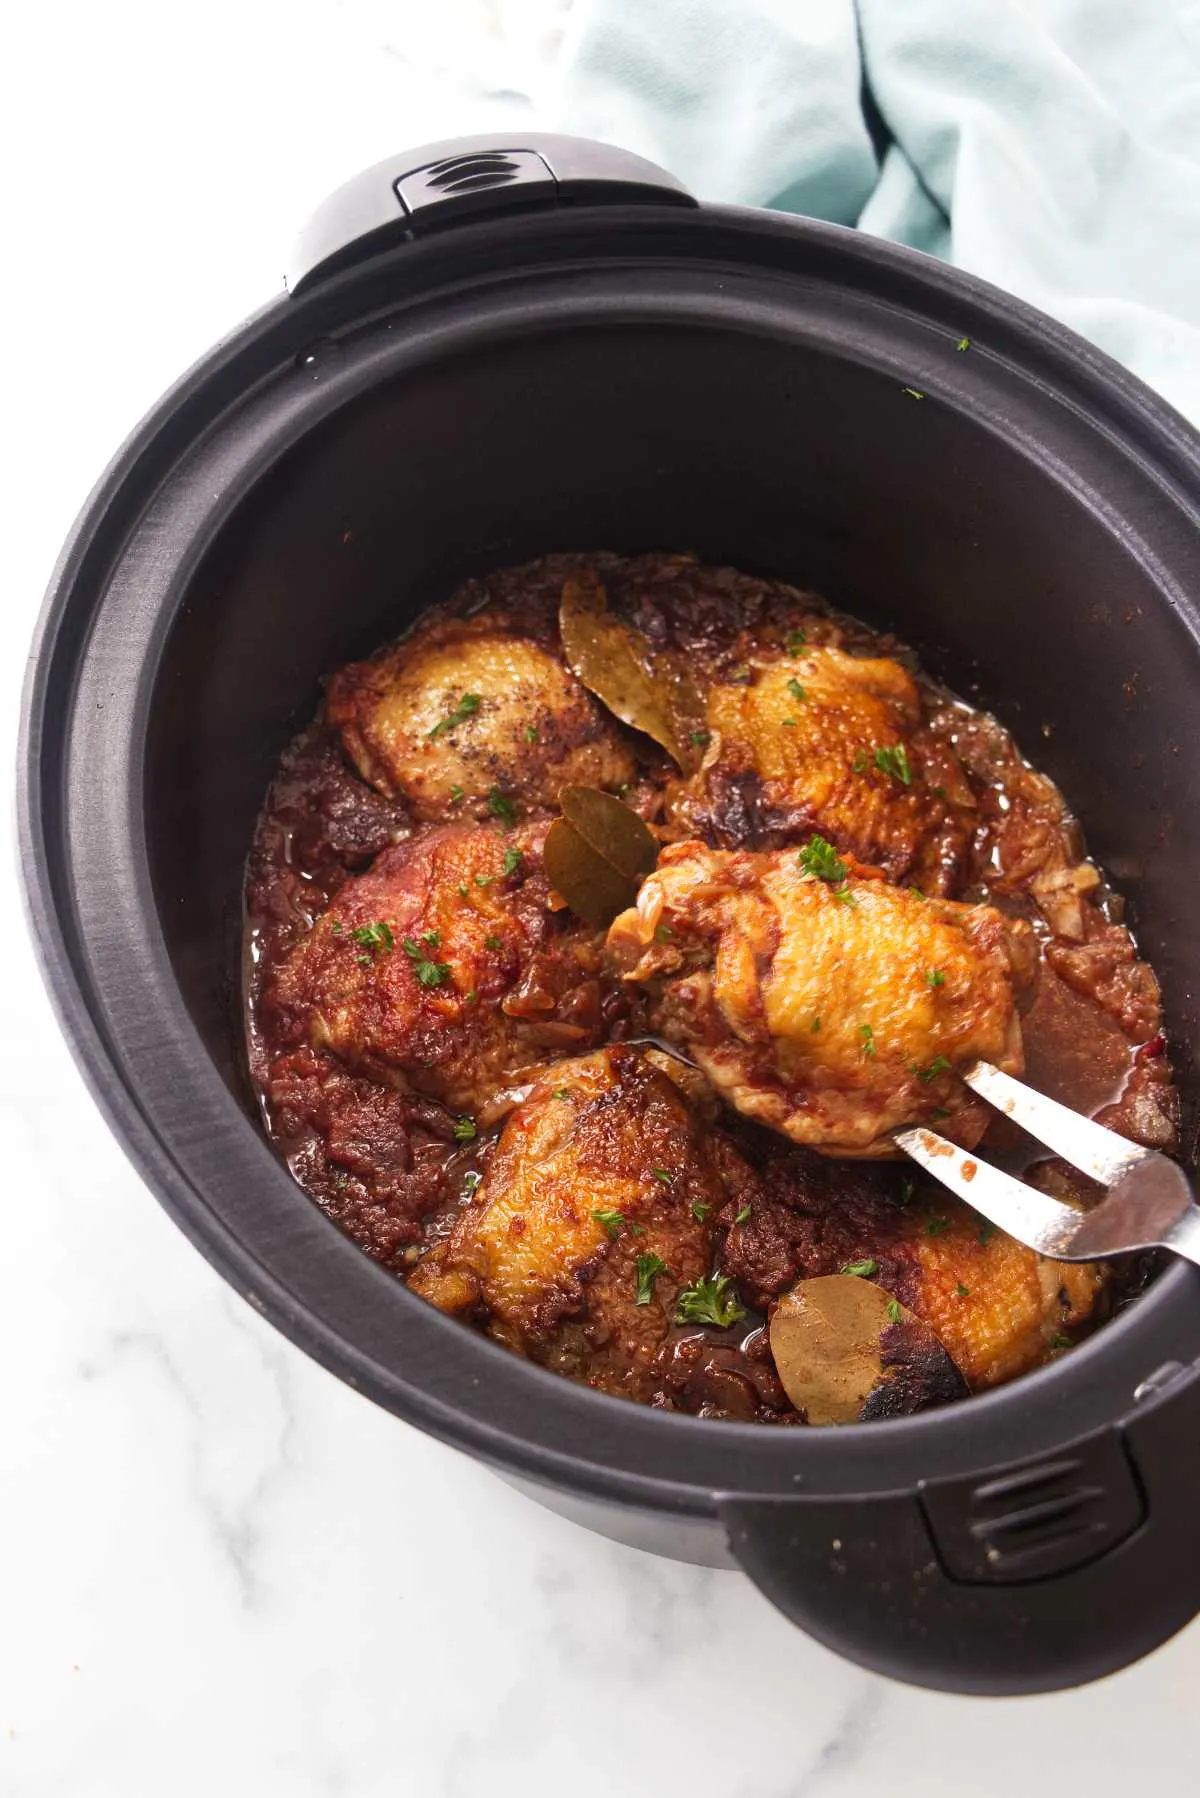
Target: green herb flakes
373 938
465 1130
862 1270
614 1221
466 708
894 762
502 807
709 1300
648 1269
822 861
427 971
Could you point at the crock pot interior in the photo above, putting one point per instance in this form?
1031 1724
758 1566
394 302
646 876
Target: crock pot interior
1011 580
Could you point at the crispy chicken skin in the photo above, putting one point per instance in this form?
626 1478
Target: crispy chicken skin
606 1133
793 748
441 967
997 1307
469 706
833 1013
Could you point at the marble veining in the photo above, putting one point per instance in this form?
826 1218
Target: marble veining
220 1569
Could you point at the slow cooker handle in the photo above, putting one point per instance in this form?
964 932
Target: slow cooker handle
1027 1578
460 178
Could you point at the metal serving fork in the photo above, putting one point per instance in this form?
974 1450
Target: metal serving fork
1148 1204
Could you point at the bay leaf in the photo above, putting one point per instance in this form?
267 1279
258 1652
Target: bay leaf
641 683
612 829
846 1351
591 886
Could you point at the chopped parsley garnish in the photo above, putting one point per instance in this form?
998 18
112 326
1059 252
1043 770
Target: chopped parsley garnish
700 1210
986 1232
916 889
456 793
860 764
741 676
913 393
662 933
862 1270
896 1311
964 1292
613 1221
502 807
484 880
964 343
822 861
795 641
561 1092
700 739
491 942
471 1181
795 689
464 1129
648 1269
466 708
788 723
868 1040
470 998
743 1214
464 890
661 1173
937 1226
373 938
816 1025
427 971
937 1066
512 861
1060 1341
531 733
709 1300
336 929
894 762
935 977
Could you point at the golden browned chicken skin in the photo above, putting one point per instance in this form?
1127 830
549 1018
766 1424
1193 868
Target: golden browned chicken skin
822 740
833 1010
403 978
445 965
604 1169
468 708
998 1308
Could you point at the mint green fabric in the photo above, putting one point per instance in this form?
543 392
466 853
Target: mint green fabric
1051 146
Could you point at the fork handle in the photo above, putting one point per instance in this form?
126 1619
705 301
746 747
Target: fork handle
1184 1237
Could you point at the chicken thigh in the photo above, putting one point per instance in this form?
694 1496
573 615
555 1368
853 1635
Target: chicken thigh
827 741
444 966
596 1211
832 1007
472 712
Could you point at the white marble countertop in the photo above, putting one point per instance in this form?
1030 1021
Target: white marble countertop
220 1569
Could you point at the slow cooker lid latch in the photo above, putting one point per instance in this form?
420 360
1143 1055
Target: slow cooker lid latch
466 179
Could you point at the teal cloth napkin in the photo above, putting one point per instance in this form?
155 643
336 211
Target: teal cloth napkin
1051 146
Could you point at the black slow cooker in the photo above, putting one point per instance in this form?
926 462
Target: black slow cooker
495 349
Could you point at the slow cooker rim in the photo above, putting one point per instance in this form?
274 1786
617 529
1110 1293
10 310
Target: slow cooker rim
173 1186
